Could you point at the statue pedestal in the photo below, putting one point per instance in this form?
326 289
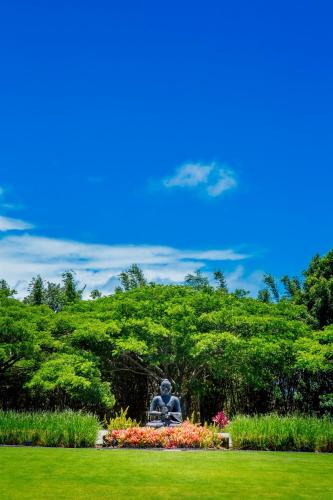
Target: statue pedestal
163 420
158 424
155 424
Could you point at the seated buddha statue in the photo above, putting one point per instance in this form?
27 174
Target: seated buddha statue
165 408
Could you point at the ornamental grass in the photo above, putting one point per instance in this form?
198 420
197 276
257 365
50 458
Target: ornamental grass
187 435
64 429
290 433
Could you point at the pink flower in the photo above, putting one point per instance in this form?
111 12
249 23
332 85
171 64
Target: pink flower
221 420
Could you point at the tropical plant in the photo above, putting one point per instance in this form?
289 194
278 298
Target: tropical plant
121 421
185 436
221 420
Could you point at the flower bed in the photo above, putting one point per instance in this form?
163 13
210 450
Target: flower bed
185 436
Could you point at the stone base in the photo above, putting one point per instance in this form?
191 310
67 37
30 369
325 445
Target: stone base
100 437
226 438
157 424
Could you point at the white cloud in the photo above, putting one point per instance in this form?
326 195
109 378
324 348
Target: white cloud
217 255
9 224
211 179
189 175
239 279
226 180
25 256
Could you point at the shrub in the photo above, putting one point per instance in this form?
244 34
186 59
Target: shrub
272 432
185 436
121 421
64 429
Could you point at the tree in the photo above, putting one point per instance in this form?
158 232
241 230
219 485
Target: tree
70 287
72 380
318 288
221 281
241 292
17 341
264 295
133 277
95 294
54 296
272 286
197 281
24 341
219 349
36 291
292 286
5 290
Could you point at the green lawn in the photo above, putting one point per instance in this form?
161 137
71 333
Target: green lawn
89 473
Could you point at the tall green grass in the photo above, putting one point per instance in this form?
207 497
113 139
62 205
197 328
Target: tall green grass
272 432
66 429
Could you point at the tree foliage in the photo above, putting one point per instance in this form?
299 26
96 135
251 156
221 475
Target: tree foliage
133 277
221 281
220 349
5 290
197 281
55 295
315 290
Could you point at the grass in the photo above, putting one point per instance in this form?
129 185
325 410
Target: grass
271 432
69 429
33 473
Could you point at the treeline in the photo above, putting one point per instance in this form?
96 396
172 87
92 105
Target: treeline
221 349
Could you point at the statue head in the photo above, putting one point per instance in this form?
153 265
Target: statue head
165 387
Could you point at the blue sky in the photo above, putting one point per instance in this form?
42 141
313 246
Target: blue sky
177 135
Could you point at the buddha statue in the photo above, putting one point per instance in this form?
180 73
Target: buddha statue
165 408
